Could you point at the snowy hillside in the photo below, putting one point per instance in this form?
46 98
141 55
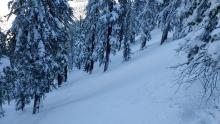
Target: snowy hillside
141 91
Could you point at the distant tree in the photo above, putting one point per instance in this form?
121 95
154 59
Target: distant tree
78 44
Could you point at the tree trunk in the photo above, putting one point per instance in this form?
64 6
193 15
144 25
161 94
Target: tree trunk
36 104
107 55
91 65
108 50
143 43
8 97
165 34
2 113
60 80
22 102
65 73
1 107
108 45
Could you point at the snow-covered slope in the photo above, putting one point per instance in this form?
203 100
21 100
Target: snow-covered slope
141 91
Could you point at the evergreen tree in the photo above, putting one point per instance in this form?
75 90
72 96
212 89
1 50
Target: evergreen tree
91 29
191 13
202 50
2 43
106 35
127 24
146 19
3 88
2 95
6 87
78 44
168 17
40 32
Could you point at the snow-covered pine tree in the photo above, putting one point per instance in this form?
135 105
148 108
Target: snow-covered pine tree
6 87
9 76
121 19
106 38
40 32
2 89
2 46
168 17
202 48
91 38
78 44
146 19
190 14
2 112
127 30
2 43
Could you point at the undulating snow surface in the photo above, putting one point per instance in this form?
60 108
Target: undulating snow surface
141 91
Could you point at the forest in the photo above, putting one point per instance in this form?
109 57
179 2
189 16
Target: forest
46 42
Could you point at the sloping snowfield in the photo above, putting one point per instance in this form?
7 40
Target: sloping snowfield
141 91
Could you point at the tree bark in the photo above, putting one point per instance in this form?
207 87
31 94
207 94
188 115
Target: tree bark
36 104
65 73
165 34
59 79
108 45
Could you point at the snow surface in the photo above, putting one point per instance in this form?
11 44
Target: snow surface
141 91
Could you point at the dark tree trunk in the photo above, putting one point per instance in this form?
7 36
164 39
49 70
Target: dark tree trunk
91 65
2 113
90 62
1 106
108 46
36 104
65 73
107 49
60 79
22 102
121 36
107 55
143 43
8 98
165 34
